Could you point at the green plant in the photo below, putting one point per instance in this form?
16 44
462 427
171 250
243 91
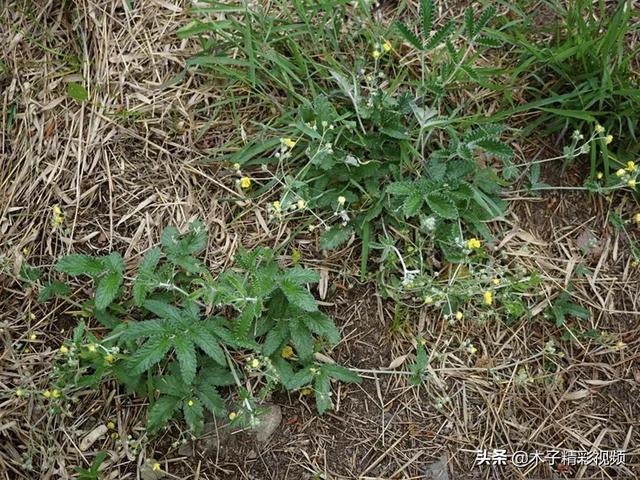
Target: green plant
181 333
581 74
93 472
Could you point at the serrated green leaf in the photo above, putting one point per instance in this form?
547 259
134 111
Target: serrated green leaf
300 276
209 345
442 206
75 264
145 328
163 310
489 41
322 388
401 188
152 352
408 35
275 337
144 281
301 338
107 289
486 16
300 379
298 296
335 236
412 204
212 400
468 21
161 412
495 147
186 353
442 34
53 289
77 92
341 373
193 414
321 324
426 12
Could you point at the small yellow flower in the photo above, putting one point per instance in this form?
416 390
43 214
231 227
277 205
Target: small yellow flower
341 200
276 206
301 204
46 394
287 352
109 358
599 128
459 315
56 210
472 349
306 391
91 347
386 46
155 467
32 336
255 363
111 425
428 300
376 54
608 139
637 217
64 349
621 172
55 393
236 167
620 345
488 297
19 392
631 166
631 183
190 403
473 244
287 142
115 435
245 182
599 175
26 251
232 416
496 281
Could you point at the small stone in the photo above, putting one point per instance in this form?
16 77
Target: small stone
269 421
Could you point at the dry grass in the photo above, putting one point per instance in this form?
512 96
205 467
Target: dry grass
127 162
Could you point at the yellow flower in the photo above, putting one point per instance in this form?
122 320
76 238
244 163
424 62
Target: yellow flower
287 142
19 392
376 54
637 217
608 139
599 175
46 394
26 251
91 347
496 281
599 128
236 167
232 416
58 217
64 349
245 182
631 183
55 393
111 425
109 358
276 206
621 172
32 336
287 352
472 349
386 46
459 315
115 435
301 204
155 467
56 210
306 391
473 244
631 166
341 200
190 403
255 363
488 297
428 300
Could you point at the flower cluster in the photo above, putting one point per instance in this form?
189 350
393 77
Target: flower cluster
628 175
